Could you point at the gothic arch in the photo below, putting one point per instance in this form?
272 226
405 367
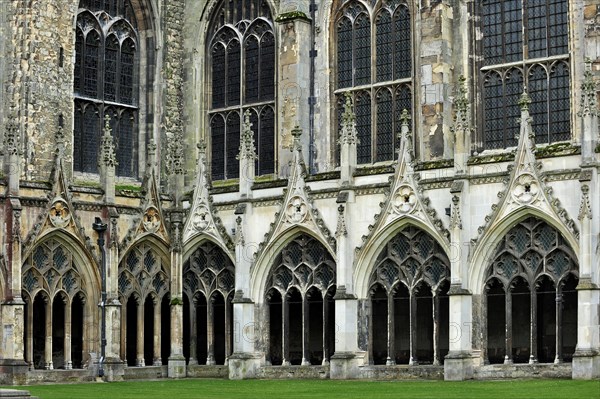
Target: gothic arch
485 250
198 239
261 267
366 258
58 279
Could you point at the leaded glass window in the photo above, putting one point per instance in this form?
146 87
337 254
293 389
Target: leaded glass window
374 62
106 46
525 43
241 50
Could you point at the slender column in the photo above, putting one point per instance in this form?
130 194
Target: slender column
305 331
533 358
29 342
140 362
391 358
325 330
286 330
67 346
227 331
508 331
413 330
157 361
371 332
436 329
210 311
559 299
48 348
193 332
123 349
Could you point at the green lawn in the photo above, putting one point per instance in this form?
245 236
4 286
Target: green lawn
209 388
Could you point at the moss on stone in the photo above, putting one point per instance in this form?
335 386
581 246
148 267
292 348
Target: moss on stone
291 16
557 149
436 164
503 157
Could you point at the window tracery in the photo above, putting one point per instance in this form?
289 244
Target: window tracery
378 73
525 43
241 50
105 83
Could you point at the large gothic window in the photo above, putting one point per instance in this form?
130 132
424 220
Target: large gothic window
241 50
105 83
374 63
55 308
409 301
208 284
531 297
145 316
299 296
525 44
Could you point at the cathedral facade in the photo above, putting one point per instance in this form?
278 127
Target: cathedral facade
379 189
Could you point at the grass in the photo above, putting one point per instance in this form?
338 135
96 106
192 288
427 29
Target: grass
248 389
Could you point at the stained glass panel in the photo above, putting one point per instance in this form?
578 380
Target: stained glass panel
217 135
127 67
110 68
233 73
538 109
362 43
267 67
402 46
384 42
560 103
266 154
232 145
252 67
363 127
344 53
218 76
90 62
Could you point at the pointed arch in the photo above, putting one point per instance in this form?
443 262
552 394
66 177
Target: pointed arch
366 258
484 252
263 264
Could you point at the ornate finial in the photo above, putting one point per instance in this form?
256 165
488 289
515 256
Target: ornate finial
107 146
589 102
296 134
348 132
405 118
247 148
524 100
461 118
175 149
239 232
341 226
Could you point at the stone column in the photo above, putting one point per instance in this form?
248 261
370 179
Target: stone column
157 361
210 339
558 350
245 360
228 348
413 330
435 303
12 308
177 366
193 332
114 368
305 331
67 344
586 359
325 331
140 361
508 326
458 363
49 365
286 330
391 358
347 357
533 358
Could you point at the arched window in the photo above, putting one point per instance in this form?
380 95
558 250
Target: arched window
106 83
241 50
525 43
378 74
409 301
55 297
208 284
531 298
299 297
143 289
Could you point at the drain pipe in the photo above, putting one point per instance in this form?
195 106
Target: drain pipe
311 98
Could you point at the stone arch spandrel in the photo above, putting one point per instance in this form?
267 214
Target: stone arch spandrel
261 268
365 260
483 254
